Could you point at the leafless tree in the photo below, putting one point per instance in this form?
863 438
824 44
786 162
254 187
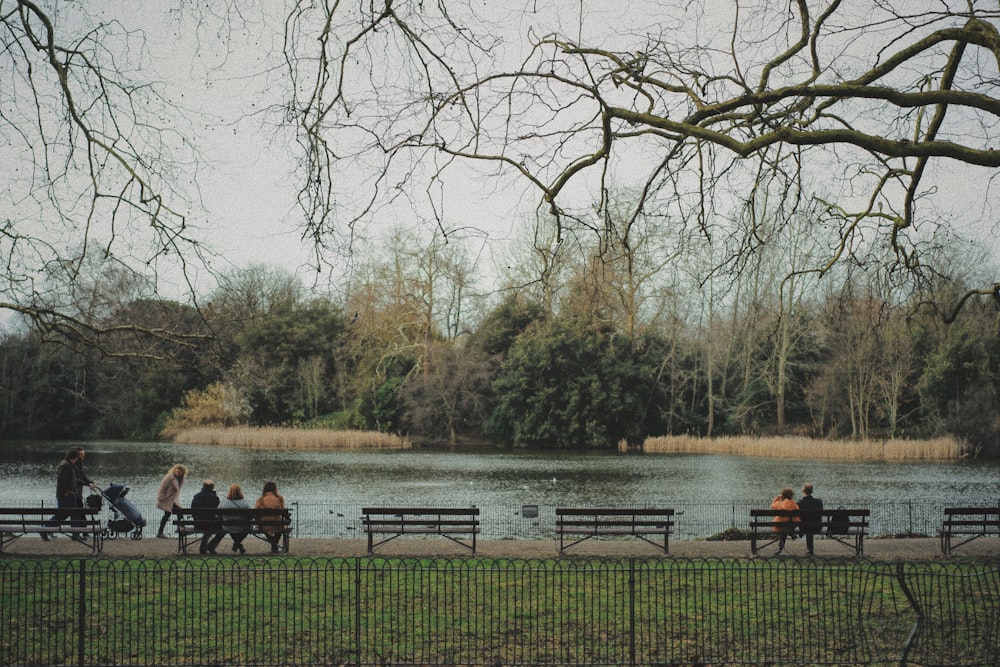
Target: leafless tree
91 154
699 102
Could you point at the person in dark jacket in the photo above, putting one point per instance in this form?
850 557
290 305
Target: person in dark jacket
811 521
207 499
70 480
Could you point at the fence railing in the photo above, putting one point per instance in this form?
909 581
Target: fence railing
692 519
371 611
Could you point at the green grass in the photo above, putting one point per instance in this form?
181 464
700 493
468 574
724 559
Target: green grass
486 611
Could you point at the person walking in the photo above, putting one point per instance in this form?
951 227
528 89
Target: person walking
271 523
70 480
812 522
237 527
168 495
207 498
784 525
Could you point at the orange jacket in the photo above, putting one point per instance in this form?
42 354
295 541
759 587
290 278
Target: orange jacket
270 501
780 503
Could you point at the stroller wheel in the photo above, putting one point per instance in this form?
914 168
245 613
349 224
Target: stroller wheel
136 534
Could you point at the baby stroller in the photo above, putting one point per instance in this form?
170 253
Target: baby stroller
125 518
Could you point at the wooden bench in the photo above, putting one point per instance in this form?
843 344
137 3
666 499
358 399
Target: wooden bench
452 523
847 526
580 524
193 523
969 523
81 523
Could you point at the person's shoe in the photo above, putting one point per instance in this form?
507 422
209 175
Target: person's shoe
778 552
243 549
45 537
809 552
274 548
161 536
235 547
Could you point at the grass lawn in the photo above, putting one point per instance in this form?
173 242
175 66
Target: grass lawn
492 611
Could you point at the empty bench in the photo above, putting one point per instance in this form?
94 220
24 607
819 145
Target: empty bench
458 524
967 524
577 524
193 523
846 526
81 523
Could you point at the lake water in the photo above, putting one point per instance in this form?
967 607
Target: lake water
344 481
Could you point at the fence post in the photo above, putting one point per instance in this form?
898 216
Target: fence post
81 616
357 610
631 612
915 604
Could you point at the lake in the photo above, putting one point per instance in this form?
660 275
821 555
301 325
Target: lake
336 484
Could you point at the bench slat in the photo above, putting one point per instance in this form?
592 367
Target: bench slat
588 522
16 522
838 524
192 523
968 522
449 522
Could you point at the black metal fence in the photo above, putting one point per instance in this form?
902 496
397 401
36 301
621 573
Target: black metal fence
373 611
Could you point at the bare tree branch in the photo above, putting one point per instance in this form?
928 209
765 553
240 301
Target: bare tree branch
878 96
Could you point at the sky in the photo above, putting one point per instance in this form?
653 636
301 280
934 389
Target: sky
241 201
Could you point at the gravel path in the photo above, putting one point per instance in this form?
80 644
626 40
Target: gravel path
922 549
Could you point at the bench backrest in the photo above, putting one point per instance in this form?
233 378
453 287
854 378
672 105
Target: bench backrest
46 512
972 511
211 517
41 514
421 511
838 521
613 512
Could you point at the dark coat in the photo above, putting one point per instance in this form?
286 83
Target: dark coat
207 497
811 523
67 482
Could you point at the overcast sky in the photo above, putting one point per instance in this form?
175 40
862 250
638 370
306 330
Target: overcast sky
228 77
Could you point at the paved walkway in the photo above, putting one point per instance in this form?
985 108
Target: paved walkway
152 547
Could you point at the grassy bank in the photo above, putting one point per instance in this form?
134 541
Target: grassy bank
938 449
289 438
484 611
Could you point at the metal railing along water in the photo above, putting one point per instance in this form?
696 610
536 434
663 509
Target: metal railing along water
693 519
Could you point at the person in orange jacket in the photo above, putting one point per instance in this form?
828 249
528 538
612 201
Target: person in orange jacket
784 525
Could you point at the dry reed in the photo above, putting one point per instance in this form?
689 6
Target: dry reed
289 438
946 448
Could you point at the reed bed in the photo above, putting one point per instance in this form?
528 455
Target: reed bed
249 437
946 448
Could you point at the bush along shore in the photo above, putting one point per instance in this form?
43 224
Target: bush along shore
272 437
938 449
